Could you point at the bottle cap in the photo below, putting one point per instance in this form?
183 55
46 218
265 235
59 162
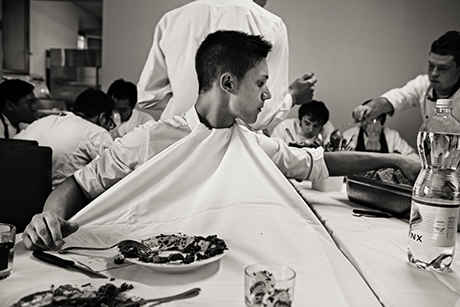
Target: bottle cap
444 103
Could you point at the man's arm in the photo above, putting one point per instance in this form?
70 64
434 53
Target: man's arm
343 163
47 229
372 109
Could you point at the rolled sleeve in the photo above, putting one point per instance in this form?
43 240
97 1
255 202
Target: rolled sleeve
123 157
295 163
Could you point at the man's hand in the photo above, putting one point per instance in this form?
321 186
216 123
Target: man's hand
410 167
302 89
46 231
372 109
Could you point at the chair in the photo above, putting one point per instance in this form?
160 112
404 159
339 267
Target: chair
25 180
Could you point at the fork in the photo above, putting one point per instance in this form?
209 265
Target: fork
127 242
184 295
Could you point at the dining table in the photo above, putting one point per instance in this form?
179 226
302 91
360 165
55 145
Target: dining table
377 248
213 182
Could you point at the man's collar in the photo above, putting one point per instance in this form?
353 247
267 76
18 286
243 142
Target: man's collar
433 96
191 116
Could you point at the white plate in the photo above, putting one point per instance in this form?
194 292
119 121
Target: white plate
177 268
139 290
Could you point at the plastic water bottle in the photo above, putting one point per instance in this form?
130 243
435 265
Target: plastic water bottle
435 196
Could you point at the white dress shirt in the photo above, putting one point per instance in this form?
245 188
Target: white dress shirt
147 141
137 118
74 140
415 94
169 73
394 141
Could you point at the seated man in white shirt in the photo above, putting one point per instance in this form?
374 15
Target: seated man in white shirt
75 138
232 74
124 95
18 106
312 128
373 136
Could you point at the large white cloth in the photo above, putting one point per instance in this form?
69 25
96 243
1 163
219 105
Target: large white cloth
415 94
394 141
218 182
140 145
169 73
137 118
74 140
293 126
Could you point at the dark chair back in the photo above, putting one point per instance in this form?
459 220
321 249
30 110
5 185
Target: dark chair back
25 180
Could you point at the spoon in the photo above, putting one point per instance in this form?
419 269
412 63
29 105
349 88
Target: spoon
122 244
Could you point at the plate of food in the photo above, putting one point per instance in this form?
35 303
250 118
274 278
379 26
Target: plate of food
82 292
177 252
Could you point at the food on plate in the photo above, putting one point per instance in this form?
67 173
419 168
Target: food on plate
87 295
175 249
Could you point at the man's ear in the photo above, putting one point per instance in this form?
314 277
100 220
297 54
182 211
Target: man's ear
9 104
227 82
102 119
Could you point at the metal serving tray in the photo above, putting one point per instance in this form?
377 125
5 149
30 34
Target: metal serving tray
387 197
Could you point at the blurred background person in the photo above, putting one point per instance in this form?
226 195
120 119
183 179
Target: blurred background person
371 135
124 95
441 82
75 138
311 127
18 106
168 79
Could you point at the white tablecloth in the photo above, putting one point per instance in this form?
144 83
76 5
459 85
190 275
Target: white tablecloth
213 183
377 248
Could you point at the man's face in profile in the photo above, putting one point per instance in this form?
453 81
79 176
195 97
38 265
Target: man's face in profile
443 72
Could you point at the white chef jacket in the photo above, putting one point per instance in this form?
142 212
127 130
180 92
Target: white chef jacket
5 125
74 140
169 72
415 94
146 141
394 141
137 118
293 125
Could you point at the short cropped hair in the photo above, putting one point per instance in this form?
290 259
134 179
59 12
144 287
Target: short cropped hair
448 44
121 89
14 90
223 51
316 110
92 102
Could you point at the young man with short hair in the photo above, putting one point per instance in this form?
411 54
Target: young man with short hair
232 73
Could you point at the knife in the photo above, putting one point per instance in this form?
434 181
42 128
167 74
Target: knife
65 263
369 213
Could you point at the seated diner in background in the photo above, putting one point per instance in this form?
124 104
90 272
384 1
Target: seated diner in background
18 106
441 82
232 73
77 137
373 136
124 95
312 128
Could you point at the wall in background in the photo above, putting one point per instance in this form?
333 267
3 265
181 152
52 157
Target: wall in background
357 48
54 24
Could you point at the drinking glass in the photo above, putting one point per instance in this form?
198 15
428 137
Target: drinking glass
7 238
269 285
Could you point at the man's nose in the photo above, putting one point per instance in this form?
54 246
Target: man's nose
266 94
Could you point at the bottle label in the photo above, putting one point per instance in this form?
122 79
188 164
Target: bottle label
433 225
